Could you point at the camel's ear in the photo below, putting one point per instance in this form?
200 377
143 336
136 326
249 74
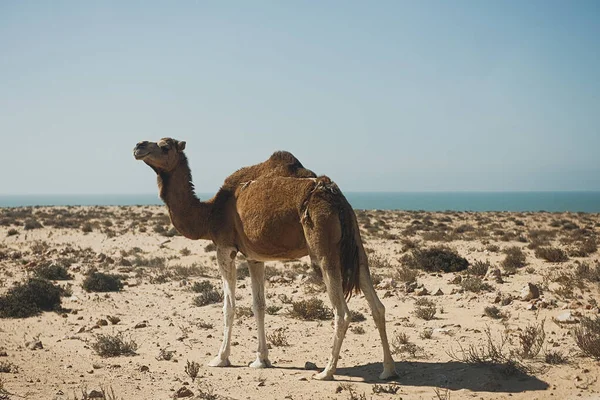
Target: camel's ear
181 146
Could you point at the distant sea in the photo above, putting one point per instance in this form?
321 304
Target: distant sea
426 201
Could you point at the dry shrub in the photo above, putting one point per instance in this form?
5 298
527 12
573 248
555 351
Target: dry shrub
436 259
310 310
391 388
52 271
114 346
30 298
494 312
584 248
357 329
244 312
192 369
278 337
32 224
515 259
357 316
492 248
185 251
210 247
7 367
551 254
12 232
272 310
555 357
492 354
583 271
207 294
425 309
531 340
479 268
405 274
426 333
475 284
587 336
101 282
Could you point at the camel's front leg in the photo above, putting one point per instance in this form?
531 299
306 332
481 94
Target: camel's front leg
257 275
225 258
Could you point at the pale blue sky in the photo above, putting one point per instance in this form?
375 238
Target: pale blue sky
380 96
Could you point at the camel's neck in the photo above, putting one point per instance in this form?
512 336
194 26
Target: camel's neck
188 214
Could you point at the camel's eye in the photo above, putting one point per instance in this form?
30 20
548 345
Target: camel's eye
164 148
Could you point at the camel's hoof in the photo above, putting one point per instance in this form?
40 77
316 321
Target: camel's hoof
218 362
388 374
323 376
258 363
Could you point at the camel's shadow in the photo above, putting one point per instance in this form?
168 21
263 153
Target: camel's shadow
453 375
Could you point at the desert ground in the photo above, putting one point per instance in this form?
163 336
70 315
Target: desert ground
478 305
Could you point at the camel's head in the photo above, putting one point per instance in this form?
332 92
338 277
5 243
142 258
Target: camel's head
163 155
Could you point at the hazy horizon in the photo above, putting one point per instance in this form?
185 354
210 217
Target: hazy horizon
425 96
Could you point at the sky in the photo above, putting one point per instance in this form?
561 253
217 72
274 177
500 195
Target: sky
380 96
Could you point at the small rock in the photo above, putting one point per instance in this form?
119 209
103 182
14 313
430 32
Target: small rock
566 318
388 283
438 292
95 394
529 292
113 320
141 325
183 392
90 371
3 353
260 383
34 345
102 322
144 368
456 279
421 292
310 366
410 287
531 307
302 378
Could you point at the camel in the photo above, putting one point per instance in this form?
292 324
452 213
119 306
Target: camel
276 210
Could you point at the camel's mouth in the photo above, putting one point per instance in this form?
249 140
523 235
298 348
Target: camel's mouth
139 154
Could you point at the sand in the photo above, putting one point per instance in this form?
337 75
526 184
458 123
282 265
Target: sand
155 311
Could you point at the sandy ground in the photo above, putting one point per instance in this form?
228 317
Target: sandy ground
157 299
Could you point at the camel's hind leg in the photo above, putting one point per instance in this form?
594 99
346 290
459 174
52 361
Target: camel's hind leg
257 275
378 311
225 258
333 280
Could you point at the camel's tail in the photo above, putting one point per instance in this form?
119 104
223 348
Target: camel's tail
349 249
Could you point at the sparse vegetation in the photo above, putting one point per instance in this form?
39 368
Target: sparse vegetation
555 357
278 337
494 312
425 309
531 340
101 282
587 336
551 254
52 271
310 310
30 298
192 369
479 268
207 294
475 284
436 259
515 259
114 345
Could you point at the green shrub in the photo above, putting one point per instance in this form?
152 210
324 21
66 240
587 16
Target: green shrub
30 298
101 282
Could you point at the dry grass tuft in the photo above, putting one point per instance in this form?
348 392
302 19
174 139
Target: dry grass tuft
587 336
515 259
192 369
114 346
278 337
425 309
207 294
531 340
551 254
310 310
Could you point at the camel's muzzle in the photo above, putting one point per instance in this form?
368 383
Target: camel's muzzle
141 150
